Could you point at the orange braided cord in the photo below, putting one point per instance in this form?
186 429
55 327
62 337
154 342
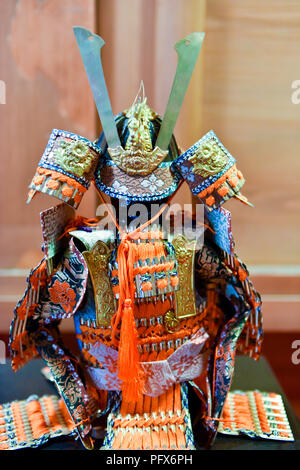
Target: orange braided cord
151 423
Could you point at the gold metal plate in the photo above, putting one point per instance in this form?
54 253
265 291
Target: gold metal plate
185 295
97 261
171 321
209 159
137 162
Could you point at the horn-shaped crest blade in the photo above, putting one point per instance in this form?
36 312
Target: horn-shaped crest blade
90 49
187 50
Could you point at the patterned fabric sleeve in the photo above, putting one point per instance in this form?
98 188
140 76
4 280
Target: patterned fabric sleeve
47 300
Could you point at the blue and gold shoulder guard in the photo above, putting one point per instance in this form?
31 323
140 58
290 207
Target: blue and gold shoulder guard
66 167
211 172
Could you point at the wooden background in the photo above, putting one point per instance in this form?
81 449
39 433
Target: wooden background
241 88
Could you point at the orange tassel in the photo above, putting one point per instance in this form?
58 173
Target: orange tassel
128 366
162 283
174 281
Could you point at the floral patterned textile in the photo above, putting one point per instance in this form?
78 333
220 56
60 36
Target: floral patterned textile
67 379
66 288
116 183
186 363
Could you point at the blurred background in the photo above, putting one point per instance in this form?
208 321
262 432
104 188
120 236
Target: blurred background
244 87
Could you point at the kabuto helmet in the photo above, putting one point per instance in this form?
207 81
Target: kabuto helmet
138 149
138 170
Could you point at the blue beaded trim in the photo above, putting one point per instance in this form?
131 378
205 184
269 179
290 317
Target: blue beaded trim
59 133
159 275
114 281
108 162
145 277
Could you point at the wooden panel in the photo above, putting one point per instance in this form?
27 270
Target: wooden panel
281 314
46 88
183 21
251 60
280 285
128 52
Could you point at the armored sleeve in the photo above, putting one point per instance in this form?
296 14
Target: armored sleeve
66 168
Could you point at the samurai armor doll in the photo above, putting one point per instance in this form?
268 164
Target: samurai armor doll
159 315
